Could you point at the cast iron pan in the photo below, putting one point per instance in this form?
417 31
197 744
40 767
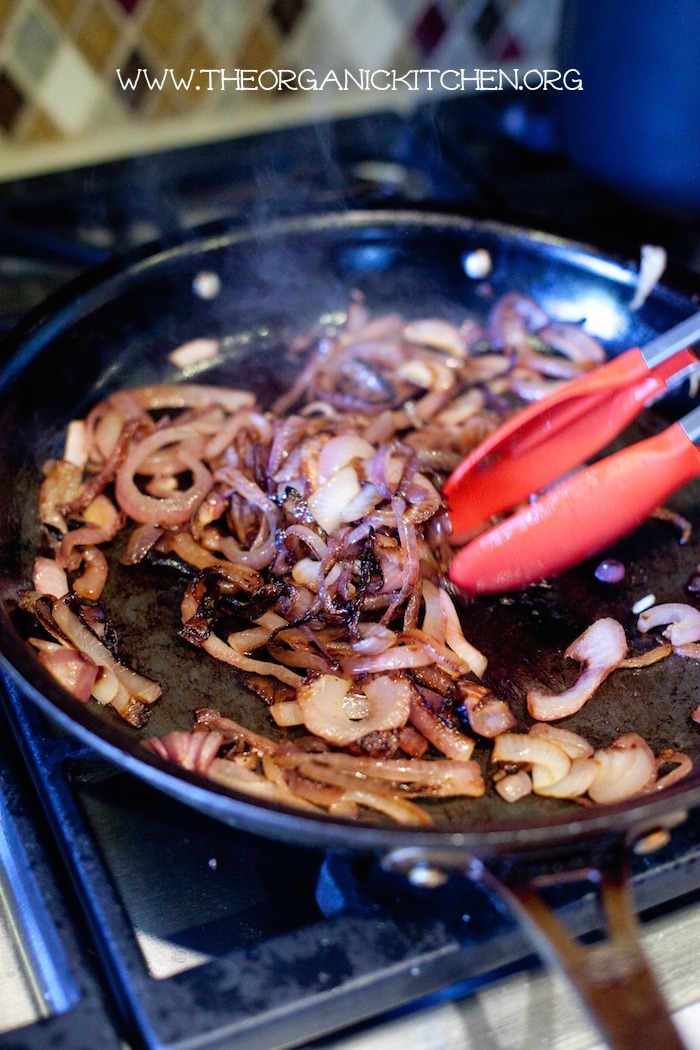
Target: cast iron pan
115 328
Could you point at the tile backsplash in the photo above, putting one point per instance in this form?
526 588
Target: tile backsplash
80 71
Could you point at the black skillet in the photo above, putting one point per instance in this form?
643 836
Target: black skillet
115 328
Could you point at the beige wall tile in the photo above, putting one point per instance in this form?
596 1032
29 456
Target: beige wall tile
37 127
98 35
7 9
63 10
164 29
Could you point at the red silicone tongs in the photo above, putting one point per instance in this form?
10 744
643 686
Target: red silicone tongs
593 508
552 436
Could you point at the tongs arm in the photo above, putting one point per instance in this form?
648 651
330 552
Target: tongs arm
582 515
552 436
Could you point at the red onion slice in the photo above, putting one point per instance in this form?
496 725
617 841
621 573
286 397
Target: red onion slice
71 669
49 578
173 510
87 642
514 786
683 620
599 650
548 762
626 768
337 711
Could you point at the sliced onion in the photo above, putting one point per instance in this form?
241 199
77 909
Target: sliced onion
363 504
683 525
576 782
651 656
287 713
49 578
514 786
433 620
306 573
512 318
374 638
61 485
76 447
436 333
325 703
411 742
436 778
231 731
461 408
341 451
599 650
332 498
397 658
235 658
571 340
548 762
455 638
106 686
690 650
87 641
172 510
441 734
71 669
684 621
399 809
488 715
194 352
652 264
573 744
184 395
626 768
683 766
232 775
91 581
192 751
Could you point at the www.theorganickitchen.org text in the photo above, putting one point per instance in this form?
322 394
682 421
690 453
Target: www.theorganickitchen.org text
284 80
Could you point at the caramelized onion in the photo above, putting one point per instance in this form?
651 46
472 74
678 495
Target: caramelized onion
338 712
684 621
548 762
313 542
49 577
87 642
600 649
626 768
514 786
172 510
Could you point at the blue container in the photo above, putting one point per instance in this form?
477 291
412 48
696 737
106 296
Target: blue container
636 123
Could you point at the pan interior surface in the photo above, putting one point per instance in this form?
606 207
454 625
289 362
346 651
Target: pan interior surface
116 329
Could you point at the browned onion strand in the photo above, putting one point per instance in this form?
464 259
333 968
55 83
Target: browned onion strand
313 540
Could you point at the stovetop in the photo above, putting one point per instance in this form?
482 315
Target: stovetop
127 919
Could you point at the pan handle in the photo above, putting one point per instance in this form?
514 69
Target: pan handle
612 976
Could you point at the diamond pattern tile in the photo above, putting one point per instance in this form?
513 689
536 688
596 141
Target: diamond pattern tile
59 58
430 29
98 34
286 13
35 40
11 101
